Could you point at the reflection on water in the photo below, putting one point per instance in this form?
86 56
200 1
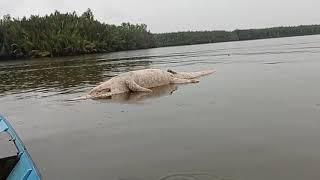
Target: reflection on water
251 120
139 97
74 74
60 75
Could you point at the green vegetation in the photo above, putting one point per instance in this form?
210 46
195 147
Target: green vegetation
201 37
193 37
61 34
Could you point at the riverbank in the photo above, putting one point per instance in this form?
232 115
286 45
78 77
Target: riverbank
65 34
69 34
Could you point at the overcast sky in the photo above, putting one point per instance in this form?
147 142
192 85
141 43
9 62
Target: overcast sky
179 15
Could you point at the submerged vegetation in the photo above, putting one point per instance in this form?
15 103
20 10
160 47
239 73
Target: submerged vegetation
62 34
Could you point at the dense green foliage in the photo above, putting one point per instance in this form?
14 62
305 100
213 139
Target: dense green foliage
61 34
201 37
193 37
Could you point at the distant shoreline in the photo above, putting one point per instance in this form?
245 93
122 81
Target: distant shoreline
59 35
239 40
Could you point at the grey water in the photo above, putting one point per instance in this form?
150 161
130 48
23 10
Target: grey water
257 117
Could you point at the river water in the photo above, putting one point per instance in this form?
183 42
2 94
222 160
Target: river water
258 117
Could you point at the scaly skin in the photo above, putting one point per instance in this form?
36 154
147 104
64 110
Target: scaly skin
141 81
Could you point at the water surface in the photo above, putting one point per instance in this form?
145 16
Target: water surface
256 118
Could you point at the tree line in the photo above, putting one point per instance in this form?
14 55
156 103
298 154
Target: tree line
202 37
62 34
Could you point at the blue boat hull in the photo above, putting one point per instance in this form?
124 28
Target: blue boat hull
25 168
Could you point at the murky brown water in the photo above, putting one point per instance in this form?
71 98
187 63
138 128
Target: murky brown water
258 117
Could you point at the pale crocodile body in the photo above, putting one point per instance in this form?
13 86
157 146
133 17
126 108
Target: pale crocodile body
142 81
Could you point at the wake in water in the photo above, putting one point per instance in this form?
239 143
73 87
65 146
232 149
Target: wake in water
193 176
